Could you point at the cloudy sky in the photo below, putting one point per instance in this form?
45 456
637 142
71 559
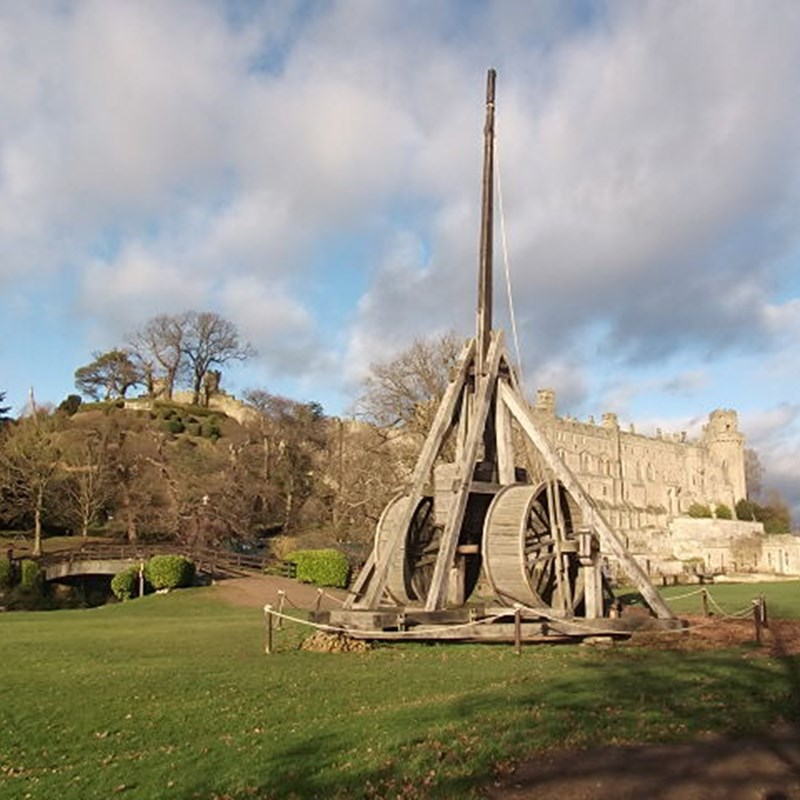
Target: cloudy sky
311 170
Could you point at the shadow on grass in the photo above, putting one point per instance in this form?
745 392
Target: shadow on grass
599 704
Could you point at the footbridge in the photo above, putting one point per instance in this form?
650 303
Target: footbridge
110 558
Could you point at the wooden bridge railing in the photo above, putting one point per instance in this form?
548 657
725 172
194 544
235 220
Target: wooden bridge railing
205 558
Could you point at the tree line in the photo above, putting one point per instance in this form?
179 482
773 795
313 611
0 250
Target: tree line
192 474
168 351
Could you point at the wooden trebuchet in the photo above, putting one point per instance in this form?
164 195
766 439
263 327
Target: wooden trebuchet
541 546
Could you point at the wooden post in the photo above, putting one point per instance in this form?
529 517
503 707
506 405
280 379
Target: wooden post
281 601
704 599
764 615
518 631
757 619
141 579
268 628
318 602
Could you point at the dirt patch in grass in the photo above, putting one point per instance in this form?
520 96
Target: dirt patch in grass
258 590
781 638
714 768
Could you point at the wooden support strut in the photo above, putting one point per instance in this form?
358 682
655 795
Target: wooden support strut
486 384
369 592
608 538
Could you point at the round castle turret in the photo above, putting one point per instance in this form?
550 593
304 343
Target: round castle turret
725 446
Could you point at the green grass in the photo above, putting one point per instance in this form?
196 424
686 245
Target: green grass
172 696
783 597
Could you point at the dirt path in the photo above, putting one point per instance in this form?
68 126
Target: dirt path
258 590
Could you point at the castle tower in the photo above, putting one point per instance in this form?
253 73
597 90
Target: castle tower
545 402
725 451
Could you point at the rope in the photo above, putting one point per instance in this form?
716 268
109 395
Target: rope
509 294
684 596
422 629
377 633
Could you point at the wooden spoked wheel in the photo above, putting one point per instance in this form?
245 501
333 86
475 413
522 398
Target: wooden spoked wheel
411 569
520 556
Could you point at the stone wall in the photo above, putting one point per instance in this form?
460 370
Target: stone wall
645 485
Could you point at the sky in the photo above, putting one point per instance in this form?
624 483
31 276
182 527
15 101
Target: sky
311 171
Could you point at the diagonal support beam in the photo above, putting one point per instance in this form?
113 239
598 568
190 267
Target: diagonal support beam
437 594
608 538
368 594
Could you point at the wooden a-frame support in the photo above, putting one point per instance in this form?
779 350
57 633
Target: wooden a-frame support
466 410
477 409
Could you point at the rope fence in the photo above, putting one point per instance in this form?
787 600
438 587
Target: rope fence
275 617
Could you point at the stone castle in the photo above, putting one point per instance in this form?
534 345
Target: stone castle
646 485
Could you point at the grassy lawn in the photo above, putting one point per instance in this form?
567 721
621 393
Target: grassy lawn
172 696
783 597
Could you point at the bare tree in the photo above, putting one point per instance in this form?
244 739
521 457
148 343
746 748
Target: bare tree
88 484
210 340
158 350
405 390
29 461
753 474
294 437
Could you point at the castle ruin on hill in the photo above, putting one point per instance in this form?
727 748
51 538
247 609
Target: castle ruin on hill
646 485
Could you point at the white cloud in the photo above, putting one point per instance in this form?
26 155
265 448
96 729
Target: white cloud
204 154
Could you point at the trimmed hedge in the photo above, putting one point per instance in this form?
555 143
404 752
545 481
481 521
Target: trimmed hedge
321 567
125 584
700 511
169 572
723 512
31 576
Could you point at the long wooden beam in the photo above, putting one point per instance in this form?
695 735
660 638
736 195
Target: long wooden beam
442 424
608 538
437 594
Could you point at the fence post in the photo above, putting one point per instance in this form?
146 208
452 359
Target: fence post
764 615
757 619
318 603
268 628
281 601
704 598
517 631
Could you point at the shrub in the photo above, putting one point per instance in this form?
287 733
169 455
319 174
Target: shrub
193 428
173 426
723 512
31 577
125 584
210 428
746 510
6 573
699 511
169 572
321 567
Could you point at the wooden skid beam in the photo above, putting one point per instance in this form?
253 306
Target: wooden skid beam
609 540
437 594
370 593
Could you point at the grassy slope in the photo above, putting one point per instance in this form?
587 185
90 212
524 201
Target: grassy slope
172 696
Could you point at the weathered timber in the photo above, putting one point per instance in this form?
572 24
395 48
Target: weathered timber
533 532
442 424
438 591
608 538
